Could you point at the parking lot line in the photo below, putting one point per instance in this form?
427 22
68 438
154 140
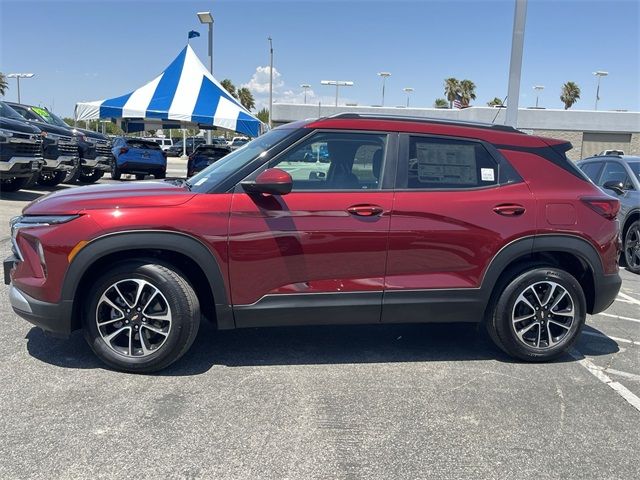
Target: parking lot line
616 339
620 318
630 376
629 298
597 372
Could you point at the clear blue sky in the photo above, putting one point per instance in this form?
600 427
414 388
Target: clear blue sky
89 50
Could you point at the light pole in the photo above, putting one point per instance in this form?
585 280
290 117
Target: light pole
207 18
408 91
538 89
515 62
270 81
18 76
338 84
599 74
305 87
384 76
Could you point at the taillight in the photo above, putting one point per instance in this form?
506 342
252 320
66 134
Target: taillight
607 207
124 150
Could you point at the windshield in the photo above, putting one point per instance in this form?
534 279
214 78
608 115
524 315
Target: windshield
216 173
7 112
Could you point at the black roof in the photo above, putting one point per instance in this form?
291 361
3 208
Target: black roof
441 121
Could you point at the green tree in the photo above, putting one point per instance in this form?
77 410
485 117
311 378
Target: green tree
263 115
441 103
4 86
451 89
467 92
496 102
569 94
229 87
246 98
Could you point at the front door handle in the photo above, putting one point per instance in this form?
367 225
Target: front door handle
365 210
509 210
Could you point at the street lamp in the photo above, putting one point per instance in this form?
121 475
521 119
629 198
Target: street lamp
305 87
338 84
408 91
384 76
599 74
207 18
538 89
270 81
18 76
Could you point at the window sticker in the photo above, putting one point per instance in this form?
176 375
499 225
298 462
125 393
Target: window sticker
487 174
442 163
43 113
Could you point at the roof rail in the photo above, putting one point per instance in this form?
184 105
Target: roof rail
441 121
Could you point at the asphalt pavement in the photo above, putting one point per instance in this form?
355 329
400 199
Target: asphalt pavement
360 402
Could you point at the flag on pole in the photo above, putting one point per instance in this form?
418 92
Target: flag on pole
457 103
193 34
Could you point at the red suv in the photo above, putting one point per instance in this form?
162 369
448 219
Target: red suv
342 220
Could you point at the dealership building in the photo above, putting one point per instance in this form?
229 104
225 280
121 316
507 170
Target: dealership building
589 131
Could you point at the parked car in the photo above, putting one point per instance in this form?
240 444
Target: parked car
238 142
165 143
177 149
94 149
205 155
414 221
137 156
20 150
619 176
609 152
60 148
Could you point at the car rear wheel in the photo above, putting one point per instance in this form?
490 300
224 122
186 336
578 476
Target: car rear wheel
538 315
115 171
632 247
160 174
51 179
92 177
141 317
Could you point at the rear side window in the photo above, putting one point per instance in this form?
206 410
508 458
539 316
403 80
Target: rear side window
615 172
441 163
592 170
143 145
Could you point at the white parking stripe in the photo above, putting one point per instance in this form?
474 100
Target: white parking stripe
597 372
629 298
621 318
615 339
630 376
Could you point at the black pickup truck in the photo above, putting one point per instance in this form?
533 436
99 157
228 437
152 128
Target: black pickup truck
20 150
60 147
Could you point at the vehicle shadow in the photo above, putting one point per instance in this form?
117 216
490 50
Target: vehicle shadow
31 193
314 346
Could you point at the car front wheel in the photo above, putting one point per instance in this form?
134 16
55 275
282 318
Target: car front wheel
115 171
539 314
632 247
141 317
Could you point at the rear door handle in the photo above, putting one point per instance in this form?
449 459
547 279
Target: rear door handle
365 210
509 210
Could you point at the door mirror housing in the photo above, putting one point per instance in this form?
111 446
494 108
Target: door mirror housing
272 181
614 185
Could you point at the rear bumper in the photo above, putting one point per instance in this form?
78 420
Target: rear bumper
606 291
141 167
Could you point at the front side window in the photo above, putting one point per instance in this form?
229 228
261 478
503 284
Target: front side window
335 161
442 163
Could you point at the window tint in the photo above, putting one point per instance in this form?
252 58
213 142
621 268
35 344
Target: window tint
591 170
613 171
336 161
447 163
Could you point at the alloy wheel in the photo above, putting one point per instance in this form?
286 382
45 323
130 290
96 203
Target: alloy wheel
543 315
632 247
133 318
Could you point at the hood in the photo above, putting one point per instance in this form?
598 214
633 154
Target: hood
121 195
18 126
46 127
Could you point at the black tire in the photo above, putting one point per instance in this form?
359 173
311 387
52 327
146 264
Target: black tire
160 174
554 340
178 299
631 253
13 184
51 179
115 171
92 177
140 176
73 175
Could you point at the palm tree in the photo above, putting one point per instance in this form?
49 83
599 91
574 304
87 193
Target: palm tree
263 115
4 86
569 94
496 102
246 98
467 92
451 89
441 103
229 87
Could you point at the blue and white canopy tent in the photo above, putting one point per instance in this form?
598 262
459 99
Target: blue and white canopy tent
183 96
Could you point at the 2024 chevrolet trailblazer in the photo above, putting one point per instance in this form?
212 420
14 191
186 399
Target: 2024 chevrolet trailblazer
403 220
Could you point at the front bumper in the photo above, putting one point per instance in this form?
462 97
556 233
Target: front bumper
20 166
62 163
98 163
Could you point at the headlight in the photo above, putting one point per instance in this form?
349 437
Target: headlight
5 133
26 221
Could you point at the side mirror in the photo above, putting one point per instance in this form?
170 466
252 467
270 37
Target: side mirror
614 185
272 181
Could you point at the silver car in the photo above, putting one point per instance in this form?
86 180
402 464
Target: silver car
619 176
